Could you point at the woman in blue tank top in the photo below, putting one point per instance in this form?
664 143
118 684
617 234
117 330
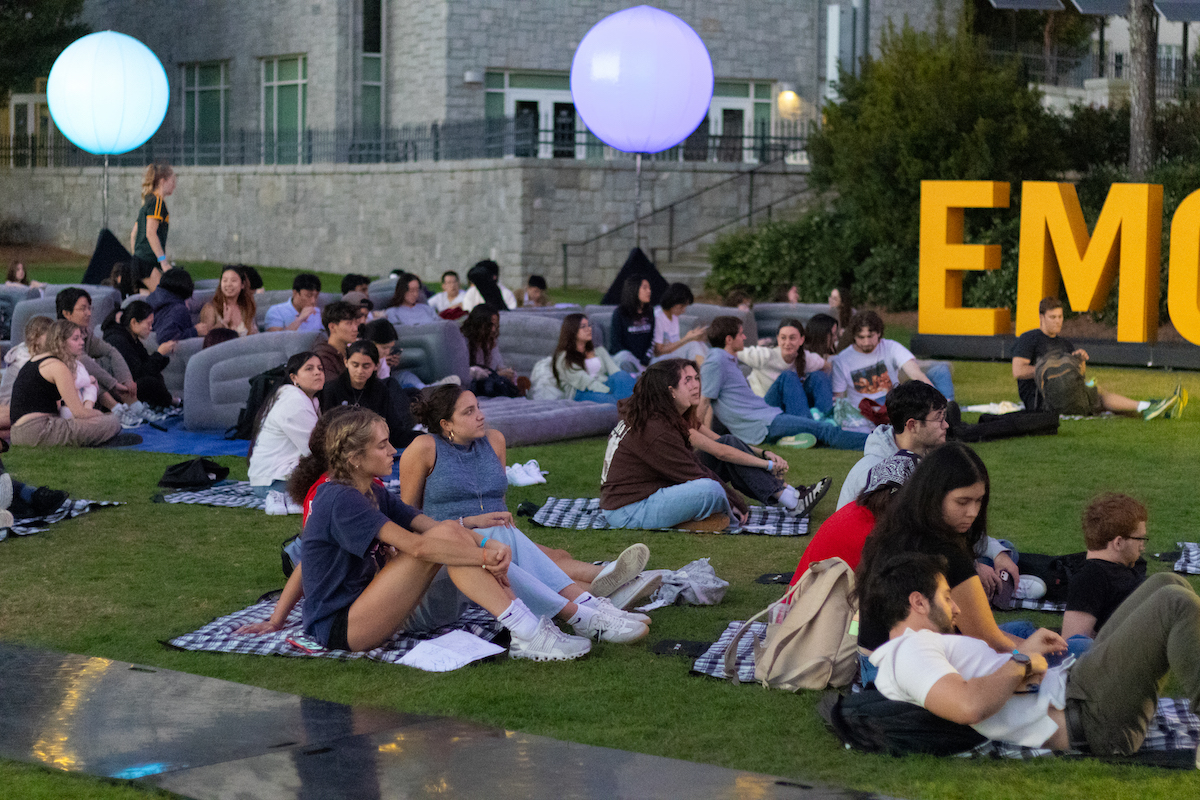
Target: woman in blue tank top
459 471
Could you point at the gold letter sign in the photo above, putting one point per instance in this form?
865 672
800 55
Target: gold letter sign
944 258
1054 242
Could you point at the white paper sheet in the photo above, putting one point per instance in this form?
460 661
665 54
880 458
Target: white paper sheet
449 652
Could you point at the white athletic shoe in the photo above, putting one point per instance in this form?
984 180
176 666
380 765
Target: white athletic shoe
608 624
533 471
609 608
276 504
549 644
640 587
1030 587
621 570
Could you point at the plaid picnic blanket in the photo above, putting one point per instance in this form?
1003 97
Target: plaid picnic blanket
1173 727
218 636
1189 559
68 510
1039 605
227 494
584 513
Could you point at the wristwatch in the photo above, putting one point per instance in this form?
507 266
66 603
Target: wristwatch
1024 661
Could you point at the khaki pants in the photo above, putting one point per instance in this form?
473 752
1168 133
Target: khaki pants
1117 681
54 431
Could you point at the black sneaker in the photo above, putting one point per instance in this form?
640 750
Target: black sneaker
123 440
47 501
809 499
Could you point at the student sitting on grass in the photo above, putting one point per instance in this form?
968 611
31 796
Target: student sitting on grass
341 321
125 331
17 357
358 386
1114 529
282 429
584 371
782 371
406 306
668 342
458 469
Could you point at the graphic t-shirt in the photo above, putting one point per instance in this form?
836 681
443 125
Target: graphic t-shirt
870 375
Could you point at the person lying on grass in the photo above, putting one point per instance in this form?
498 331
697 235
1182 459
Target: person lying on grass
348 567
1100 704
458 469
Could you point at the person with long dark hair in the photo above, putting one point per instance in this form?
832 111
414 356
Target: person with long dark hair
406 306
125 331
787 376
489 376
487 288
283 426
232 306
583 370
632 331
358 386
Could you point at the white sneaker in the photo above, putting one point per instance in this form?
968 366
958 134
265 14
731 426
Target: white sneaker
609 608
292 506
517 476
621 570
454 379
607 624
549 644
533 471
276 504
6 491
640 587
1030 587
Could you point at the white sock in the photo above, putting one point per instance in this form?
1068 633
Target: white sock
789 497
519 620
585 598
582 614
1143 405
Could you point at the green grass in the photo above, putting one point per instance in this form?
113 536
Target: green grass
116 582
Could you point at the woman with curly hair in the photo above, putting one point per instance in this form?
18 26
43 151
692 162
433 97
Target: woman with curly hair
233 304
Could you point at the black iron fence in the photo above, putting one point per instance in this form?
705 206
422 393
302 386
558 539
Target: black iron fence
446 141
1069 68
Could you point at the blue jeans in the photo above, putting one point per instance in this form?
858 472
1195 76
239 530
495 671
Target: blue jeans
827 433
620 385
1076 646
535 579
668 507
939 376
797 397
274 486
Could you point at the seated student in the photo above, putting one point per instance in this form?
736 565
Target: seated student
845 532
841 307
739 299
942 510
787 376
99 358
172 319
489 376
232 305
357 386
17 357
282 428
383 335
535 293
450 297
126 331
458 469
301 312
1036 344
253 278
353 282
918 415
651 477
584 371
631 333
747 415
1100 705
341 322
871 366
47 380
668 343
487 288
406 306
1114 528
352 604
18 277
821 338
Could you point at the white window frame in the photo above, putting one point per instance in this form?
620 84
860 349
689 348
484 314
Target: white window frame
194 89
301 107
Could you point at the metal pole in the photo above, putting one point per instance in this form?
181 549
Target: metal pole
637 207
106 190
565 257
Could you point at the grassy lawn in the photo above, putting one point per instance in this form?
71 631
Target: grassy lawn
116 582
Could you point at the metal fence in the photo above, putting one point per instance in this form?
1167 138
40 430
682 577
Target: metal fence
446 141
1070 68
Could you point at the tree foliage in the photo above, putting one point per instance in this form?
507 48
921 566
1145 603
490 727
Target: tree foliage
32 34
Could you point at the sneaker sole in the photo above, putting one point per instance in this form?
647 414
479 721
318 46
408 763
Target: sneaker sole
638 591
628 566
1177 411
1164 408
544 659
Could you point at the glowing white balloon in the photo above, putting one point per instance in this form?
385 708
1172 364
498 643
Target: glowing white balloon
642 80
107 93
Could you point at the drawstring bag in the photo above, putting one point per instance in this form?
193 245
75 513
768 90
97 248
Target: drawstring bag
199 473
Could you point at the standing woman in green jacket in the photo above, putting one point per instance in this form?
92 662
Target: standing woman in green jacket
148 239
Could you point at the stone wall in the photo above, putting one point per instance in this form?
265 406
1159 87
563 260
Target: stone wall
421 217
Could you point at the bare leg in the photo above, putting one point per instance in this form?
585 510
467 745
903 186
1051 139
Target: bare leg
579 571
1118 404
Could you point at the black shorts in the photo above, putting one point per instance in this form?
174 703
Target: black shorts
337 633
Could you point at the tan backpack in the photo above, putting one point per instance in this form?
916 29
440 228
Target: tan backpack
812 633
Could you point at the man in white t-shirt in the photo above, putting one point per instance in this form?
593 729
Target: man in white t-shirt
871 366
1017 697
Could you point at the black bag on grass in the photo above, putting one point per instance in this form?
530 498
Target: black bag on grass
870 722
199 473
260 388
1007 426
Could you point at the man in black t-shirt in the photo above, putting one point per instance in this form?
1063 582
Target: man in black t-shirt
1036 344
1114 529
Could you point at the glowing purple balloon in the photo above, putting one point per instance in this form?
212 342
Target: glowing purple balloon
642 80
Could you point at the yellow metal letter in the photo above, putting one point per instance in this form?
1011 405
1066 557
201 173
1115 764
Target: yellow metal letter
1183 291
1055 242
944 258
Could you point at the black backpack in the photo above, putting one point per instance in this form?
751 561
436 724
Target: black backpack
260 388
870 722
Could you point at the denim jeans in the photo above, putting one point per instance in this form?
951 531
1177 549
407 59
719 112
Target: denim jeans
827 433
797 397
535 579
939 376
620 386
273 486
668 507
1023 629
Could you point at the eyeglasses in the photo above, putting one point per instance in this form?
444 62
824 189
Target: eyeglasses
935 420
1138 538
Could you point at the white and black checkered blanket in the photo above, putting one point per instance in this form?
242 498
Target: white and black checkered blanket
68 510
1189 559
237 494
1173 727
218 636
583 513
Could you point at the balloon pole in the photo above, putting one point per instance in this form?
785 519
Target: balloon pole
106 190
637 208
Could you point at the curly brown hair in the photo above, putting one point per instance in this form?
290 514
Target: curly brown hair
316 463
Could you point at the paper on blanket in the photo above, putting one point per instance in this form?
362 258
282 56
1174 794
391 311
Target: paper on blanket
449 652
1003 407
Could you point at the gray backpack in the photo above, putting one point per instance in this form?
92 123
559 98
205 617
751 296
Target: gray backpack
1061 386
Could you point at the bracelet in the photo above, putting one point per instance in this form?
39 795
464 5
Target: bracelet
483 542
162 258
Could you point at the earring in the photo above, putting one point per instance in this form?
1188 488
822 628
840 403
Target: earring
450 435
